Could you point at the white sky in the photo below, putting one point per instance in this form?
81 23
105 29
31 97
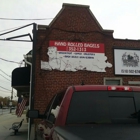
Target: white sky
122 16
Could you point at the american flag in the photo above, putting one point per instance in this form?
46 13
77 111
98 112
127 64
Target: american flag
20 106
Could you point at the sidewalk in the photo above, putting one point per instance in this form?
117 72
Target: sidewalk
6 121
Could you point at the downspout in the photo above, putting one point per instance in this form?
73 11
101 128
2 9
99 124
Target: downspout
32 78
33 64
29 123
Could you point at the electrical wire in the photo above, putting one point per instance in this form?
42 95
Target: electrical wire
10 29
5 88
5 77
70 31
25 19
5 73
5 91
10 61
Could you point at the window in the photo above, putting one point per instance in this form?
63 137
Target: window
49 106
119 107
102 107
112 81
91 106
56 101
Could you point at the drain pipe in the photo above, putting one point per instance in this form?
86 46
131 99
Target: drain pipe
25 59
32 81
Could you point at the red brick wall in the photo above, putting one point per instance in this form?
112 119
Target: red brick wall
73 24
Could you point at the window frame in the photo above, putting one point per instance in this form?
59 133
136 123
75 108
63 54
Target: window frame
53 105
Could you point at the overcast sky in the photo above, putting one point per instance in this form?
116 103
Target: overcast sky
122 16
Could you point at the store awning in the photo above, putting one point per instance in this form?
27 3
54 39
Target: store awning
21 79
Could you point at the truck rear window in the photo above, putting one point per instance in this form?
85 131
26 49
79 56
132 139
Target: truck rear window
103 107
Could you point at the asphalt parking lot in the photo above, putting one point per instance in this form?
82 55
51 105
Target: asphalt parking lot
6 121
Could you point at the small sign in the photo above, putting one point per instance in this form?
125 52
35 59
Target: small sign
127 62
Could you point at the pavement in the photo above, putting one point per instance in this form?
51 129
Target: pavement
6 121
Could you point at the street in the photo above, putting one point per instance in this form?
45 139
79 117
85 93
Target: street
5 111
6 121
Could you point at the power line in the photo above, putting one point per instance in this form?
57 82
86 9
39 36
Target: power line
5 73
10 28
5 91
5 88
8 92
4 77
10 61
25 19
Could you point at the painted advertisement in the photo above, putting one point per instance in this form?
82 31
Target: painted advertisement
127 62
74 56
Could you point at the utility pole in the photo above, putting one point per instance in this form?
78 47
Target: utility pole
11 101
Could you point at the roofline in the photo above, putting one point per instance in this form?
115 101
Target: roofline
95 20
43 27
84 6
76 5
126 39
104 30
61 10
56 16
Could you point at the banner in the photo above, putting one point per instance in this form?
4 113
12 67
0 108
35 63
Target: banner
74 56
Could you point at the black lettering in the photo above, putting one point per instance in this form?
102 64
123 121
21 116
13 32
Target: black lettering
122 71
131 71
126 71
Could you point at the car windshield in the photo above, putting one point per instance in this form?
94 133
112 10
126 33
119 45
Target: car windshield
93 107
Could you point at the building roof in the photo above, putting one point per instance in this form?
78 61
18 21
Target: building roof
66 5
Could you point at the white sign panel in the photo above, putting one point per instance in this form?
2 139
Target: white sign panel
74 56
127 62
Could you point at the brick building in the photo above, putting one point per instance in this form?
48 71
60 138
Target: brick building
86 54
74 49
73 26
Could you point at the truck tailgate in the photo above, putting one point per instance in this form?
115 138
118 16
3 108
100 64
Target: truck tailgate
100 132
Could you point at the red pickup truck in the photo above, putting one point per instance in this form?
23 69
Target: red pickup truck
92 112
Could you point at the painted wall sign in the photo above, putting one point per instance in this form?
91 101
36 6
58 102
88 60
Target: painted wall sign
74 56
127 62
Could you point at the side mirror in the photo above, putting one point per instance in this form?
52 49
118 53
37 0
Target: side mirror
33 114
